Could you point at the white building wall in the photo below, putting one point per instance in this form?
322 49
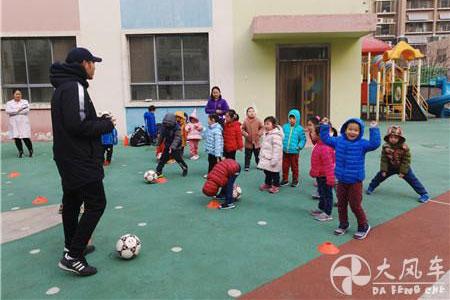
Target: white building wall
100 32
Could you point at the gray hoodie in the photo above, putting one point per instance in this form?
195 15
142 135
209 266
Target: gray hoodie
170 133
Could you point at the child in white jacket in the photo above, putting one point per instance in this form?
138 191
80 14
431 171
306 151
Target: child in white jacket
270 157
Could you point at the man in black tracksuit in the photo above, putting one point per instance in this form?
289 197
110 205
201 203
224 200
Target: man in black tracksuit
78 153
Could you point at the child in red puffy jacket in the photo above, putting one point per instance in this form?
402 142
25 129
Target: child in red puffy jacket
232 135
322 168
223 176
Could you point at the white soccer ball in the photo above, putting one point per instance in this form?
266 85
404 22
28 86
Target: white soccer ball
237 191
128 246
150 176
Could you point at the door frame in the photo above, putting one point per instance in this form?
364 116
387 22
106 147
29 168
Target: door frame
277 73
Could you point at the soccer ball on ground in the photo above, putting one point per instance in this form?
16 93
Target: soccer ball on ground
237 191
150 176
128 246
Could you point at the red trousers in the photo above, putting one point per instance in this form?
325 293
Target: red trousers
350 194
290 161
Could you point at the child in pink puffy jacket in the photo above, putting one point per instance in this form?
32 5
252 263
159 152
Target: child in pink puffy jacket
194 134
322 168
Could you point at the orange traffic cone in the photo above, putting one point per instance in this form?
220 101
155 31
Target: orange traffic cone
213 204
125 141
40 200
13 174
328 248
161 180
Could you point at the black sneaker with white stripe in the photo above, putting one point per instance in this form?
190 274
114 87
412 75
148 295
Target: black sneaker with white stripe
76 265
227 206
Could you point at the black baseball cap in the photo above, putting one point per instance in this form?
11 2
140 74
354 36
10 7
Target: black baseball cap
79 54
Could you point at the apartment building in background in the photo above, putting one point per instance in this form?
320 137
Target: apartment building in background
420 21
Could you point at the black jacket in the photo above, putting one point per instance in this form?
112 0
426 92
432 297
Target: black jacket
77 148
170 133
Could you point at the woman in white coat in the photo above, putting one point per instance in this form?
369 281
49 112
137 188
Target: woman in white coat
19 124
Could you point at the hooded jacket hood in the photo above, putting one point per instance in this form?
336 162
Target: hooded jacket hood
194 115
61 73
353 120
397 131
277 130
215 125
180 114
169 120
296 114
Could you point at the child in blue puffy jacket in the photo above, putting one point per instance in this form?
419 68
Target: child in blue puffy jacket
351 150
213 138
150 124
108 142
294 140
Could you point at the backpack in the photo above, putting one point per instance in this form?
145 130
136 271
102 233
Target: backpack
139 137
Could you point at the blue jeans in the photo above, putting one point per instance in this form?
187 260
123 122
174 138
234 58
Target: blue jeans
326 195
227 190
410 178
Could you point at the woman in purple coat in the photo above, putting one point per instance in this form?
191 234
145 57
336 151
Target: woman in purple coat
216 104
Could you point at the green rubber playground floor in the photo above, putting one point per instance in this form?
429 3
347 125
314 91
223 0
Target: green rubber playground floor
221 250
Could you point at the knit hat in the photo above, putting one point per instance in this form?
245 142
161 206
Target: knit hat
394 130
210 188
194 115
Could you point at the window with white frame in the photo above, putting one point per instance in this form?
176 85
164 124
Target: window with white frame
26 63
169 66
444 3
442 55
444 26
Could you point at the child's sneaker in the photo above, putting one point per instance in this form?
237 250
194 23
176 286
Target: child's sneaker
424 198
294 183
185 172
227 206
342 229
323 217
264 187
369 190
274 189
315 196
315 212
284 182
362 233
77 266
205 176
246 169
195 157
